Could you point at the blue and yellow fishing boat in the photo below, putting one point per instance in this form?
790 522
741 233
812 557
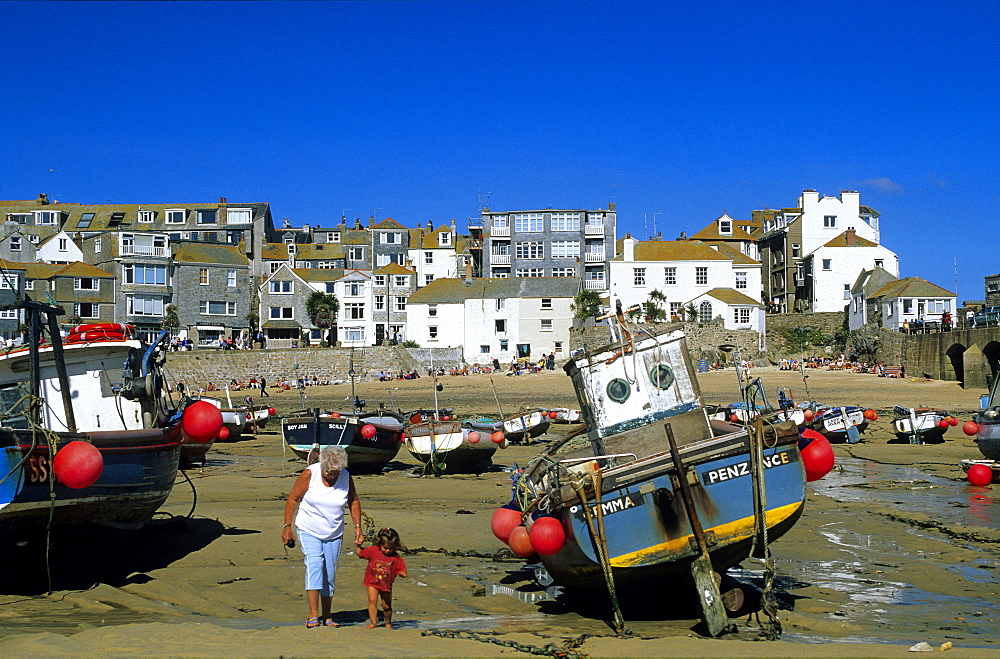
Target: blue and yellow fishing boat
617 489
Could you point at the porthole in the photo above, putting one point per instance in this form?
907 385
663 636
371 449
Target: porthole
662 376
619 390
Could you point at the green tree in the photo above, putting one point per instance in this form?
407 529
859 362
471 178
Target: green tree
690 312
322 309
652 309
586 304
253 320
171 320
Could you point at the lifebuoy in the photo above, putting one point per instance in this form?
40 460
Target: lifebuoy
118 328
96 336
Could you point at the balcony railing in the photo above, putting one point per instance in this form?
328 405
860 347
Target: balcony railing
140 250
500 231
594 257
500 259
594 285
593 230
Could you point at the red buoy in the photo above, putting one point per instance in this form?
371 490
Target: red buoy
497 437
953 420
336 415
201 421
817 454
943 423
503 522
547 536
271 411
223 433
368 431
78 464
473 437
871 415
979 474
970 428
808 415
733 418
520 542
553 414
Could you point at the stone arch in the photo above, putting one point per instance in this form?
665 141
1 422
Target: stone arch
956 359
991 352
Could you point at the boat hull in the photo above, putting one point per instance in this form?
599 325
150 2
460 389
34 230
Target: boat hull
992 464
648 532
833 423
451 452
925 426
988 437
139 471
522 427
364 455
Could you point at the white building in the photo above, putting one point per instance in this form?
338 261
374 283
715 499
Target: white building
909 300
433 253
685 271
503 318
60 248
834 268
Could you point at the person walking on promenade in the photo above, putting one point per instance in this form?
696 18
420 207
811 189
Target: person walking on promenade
319 497
263 387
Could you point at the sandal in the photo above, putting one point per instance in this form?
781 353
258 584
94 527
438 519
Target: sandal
329 622
312 623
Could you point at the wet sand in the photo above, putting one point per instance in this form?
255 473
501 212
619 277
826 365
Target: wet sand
894 548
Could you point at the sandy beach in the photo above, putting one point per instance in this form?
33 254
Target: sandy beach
894 548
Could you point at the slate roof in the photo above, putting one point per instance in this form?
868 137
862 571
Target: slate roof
735 255
388 223
670 250
732 296
210 253
318 274
130 221
456 291
841 241
393 268
869 281
77 269
911 287
711 232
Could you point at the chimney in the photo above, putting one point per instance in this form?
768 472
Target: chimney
454 229
611 206
850 237
371 222
78 240
430 225
43 199
222 200
468 271
628 248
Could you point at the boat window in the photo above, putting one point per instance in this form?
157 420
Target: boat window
14 405
619 390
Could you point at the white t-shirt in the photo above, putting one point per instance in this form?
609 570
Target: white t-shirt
321 513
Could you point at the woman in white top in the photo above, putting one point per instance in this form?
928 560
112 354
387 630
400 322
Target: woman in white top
320 495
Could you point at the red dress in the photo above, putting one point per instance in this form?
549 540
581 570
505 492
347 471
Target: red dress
382 569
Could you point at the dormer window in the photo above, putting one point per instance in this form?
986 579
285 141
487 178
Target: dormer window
20 218
116 219
146 217
444 238
239 216
291 248
175 215
333 237
208 216
45 218
725 228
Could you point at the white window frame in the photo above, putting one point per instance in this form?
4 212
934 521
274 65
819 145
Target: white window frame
15 243
281 287
379 280
529 250
231 278
146 217
529 222
400 281
235 215
741 280
129 271
444 239
95 309
281 313
701 275
829 221
638 276
565 221
827 264
670 276
391 238
565 249
356 253
204 276
399 303
51 218
545 325
175 216
205 308
153 301
78 284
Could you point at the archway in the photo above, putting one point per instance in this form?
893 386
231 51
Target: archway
991 352
956 355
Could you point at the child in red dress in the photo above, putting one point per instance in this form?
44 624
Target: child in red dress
384 565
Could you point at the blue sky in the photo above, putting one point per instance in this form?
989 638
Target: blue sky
416 110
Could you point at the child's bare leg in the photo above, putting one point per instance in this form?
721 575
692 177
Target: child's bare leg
372 607
387 608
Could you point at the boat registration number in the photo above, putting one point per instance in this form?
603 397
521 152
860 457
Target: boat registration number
37 469
612 506
740 469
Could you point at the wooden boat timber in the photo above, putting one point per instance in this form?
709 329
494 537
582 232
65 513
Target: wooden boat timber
629 391
126 416
525 426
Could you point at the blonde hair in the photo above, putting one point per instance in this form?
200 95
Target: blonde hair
333 458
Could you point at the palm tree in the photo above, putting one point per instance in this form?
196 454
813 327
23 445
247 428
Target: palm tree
691 312
653 308
170 318
586 304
